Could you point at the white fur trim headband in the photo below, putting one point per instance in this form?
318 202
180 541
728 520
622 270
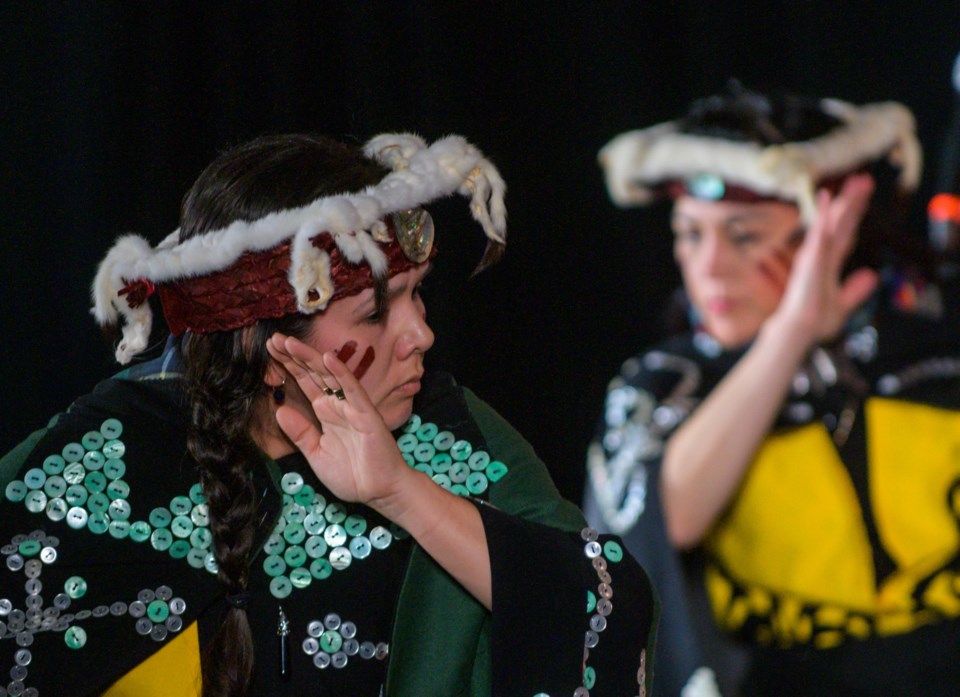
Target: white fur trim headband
635 162
420 174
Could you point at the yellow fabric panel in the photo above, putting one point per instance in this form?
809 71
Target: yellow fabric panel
914 452
795 526
173 671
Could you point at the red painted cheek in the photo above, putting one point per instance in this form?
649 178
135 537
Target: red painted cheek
364 365
347 350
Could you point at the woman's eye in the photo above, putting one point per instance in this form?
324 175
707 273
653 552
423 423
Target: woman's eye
686 235
375 317
745 238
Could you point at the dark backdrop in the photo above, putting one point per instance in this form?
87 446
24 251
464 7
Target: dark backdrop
109 110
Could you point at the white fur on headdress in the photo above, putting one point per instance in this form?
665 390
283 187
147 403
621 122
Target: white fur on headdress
635 162
421 174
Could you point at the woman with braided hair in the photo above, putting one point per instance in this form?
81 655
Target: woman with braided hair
286 501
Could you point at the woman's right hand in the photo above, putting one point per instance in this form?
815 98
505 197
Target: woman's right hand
817 300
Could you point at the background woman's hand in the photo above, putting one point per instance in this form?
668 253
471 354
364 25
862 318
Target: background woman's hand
346 441
817 301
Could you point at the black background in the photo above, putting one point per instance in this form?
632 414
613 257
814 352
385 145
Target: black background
108 111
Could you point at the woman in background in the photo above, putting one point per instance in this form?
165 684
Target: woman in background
799 445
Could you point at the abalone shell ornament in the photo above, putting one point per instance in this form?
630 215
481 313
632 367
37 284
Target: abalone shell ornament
414 233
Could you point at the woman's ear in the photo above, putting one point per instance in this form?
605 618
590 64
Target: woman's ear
275 374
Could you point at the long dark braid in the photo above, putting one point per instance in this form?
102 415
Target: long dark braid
224 370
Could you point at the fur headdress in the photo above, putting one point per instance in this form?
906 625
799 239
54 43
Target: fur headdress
299 259
637 163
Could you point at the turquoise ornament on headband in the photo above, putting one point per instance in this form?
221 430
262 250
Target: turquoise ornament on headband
706 186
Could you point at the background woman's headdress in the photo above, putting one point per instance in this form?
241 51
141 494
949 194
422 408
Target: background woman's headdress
299 259
637 164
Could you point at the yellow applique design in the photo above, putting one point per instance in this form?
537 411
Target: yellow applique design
173 670
793 560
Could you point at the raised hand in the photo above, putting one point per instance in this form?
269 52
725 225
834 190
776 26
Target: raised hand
817 301
344 438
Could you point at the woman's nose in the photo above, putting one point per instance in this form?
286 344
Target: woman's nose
417 336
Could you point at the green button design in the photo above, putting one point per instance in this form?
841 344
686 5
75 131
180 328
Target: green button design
29 547
443 480
444 440
160 517
355 525
55 486
35 501
76 495
94 460
98 503
331 641
281 587
459 490
300 578
75 587
201 538
16 491
459 472
335 513
295 556
479 460
591 602
427 432
321 569
158 611
180 505
425 468
294 533
200 515
72 452
35 478
179 549
409 458
181 526
295 513
291 483
114 468
274 544
196 557
413 423
57 510
407 442
314 524
589 677
477 483
315 547
461 450
140 531
441 463
495 471
612 551
304 497
424 452
161 539
118 489
114 449
95 482
196 494
98 523
111 428
54 464
118 529
274 565
75 637
93 440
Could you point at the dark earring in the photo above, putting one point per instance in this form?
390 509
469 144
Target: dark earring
278 394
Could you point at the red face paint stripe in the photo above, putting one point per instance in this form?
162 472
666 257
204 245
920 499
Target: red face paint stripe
365 363
347 350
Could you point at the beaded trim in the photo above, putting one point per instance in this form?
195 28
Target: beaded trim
83 485
157 612
600 607
314 537
333 643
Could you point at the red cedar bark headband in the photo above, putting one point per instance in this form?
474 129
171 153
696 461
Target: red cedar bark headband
301 259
